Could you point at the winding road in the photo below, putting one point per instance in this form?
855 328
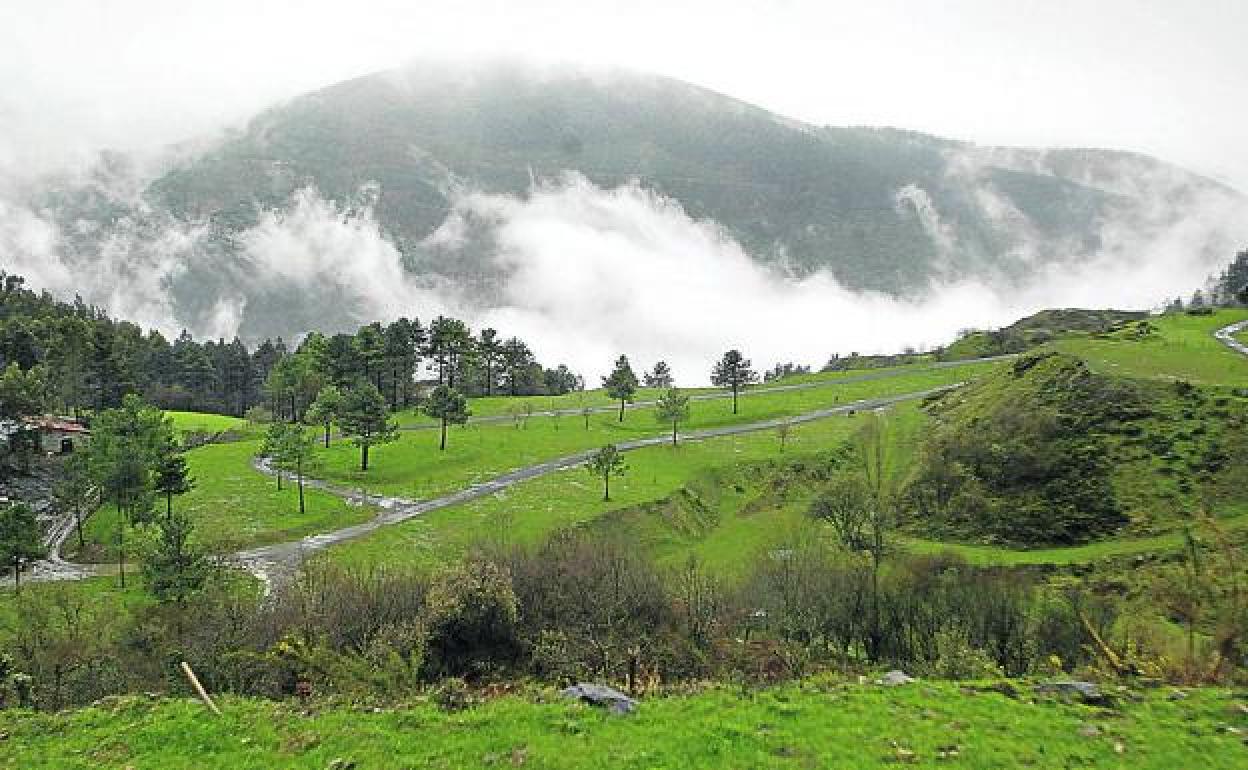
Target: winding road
272 563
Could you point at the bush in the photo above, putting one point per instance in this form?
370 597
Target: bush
957 659
471 617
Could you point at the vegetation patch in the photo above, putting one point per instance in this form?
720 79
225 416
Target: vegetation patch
1052 452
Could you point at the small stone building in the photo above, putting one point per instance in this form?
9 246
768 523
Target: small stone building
59 435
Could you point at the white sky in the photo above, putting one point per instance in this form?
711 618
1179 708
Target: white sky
1166 77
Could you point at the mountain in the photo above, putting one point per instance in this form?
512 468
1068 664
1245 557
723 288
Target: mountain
880 209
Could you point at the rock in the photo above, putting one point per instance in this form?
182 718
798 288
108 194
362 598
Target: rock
1089 731
601 695
1176 695
895 679
339 763
1084 691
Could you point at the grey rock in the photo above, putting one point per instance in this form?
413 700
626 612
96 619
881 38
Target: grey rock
601 695
895 679
1087 692
1089 731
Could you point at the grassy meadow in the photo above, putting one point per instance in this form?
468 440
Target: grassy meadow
1182 347
234 506
413 467
821 722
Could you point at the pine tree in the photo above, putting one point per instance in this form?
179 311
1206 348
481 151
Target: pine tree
74 491
521 373
734 373
658 377
621 384
672 408
175 568
21 539
126 444
604 464
490 349
365 420
448 406
173 477
324 410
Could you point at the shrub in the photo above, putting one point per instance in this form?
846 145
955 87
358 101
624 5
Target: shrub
957 659
471 617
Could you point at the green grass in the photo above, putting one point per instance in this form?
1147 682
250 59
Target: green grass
102 594
1183 347
730 476
413 467
234 506
494 406
818 723
529 511
202 422
987 555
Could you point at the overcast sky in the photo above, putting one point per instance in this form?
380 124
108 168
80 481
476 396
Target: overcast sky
1166 77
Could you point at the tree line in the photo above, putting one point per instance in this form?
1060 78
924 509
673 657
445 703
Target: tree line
76 358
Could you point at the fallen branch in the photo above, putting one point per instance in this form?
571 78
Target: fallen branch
199 688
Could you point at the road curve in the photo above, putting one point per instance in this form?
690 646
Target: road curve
1226 335
273 563
276 561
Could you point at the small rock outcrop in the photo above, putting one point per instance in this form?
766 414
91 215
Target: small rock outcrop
601 695
1087 692
895 679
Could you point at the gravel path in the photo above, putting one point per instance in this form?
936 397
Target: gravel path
273 562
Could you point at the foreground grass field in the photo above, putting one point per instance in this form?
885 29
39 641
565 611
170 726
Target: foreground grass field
234 506
1183 347
818 723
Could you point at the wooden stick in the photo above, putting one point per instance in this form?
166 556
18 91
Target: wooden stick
199 688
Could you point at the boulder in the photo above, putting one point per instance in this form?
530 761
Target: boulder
601 695
895 678
1088 692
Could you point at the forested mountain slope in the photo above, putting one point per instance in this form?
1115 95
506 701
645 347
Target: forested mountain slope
397 157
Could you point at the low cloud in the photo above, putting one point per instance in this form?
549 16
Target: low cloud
596 272
589 273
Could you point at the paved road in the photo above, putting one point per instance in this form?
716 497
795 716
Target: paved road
55 567
1227 336
273 562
